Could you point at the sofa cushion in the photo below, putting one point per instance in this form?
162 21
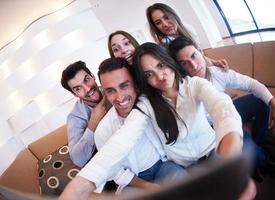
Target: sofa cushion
22 173
264 62
239 57
55 171
49 143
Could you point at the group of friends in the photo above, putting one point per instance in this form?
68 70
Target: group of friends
160 110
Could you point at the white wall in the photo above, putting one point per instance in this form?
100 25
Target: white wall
121 15
128 15
32 101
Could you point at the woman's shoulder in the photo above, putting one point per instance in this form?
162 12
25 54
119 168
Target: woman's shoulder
143 102
193 83
144 105
193 80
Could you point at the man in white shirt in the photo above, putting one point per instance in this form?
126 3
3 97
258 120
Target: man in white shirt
255 105
145 166
192 61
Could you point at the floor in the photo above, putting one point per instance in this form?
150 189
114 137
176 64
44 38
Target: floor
251 37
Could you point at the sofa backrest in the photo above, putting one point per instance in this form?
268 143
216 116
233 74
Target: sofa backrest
264 62
22 174
49 143
239 57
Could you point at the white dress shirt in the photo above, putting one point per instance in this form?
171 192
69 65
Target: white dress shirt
198 139
143 155
231 79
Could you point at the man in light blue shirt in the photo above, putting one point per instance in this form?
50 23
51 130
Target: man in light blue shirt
86 114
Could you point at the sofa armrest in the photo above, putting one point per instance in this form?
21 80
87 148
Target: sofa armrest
49 143
22 174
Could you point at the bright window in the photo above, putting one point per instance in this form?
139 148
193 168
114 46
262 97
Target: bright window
243 16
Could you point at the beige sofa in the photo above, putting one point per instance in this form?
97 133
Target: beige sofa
256 60
22 174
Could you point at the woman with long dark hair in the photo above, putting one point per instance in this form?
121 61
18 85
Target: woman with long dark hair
165 25
188 135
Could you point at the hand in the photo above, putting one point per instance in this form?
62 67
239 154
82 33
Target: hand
230 145
271 121
249 192
97 114
78 188
221 63
218 63
141 183
151 186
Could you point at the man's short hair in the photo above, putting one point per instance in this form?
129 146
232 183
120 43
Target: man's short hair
71 71
179 43
111 64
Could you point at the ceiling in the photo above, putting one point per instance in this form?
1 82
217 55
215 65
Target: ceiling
16 15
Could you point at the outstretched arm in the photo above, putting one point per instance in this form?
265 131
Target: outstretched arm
79 188
116 149
138 182
230 145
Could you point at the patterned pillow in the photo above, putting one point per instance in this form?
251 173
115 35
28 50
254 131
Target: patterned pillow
55 172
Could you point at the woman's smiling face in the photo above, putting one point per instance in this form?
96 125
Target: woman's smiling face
122 48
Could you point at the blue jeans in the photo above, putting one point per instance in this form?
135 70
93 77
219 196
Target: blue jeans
250 107
161 173
258 154
164 172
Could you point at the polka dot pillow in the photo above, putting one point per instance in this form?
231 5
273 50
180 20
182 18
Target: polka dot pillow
55 172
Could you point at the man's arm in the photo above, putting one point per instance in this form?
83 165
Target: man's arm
227 124
108 159
80 129
79 188
225 117
245 83
141 183
115 151
230 145
80 140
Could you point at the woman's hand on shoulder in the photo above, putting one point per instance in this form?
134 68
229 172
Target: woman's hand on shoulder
222 63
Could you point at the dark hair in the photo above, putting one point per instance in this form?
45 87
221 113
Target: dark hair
111 64
165 113
71 71
155 32
179 43
133 41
